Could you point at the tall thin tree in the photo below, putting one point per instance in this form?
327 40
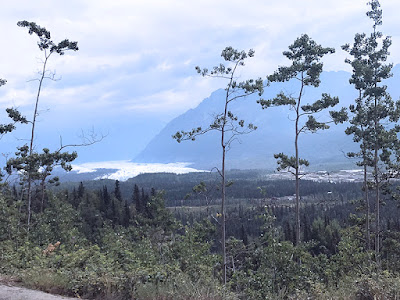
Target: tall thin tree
226 123
306 68
48 47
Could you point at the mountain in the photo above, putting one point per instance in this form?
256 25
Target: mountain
275 133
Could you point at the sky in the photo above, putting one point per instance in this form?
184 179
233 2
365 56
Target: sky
135 68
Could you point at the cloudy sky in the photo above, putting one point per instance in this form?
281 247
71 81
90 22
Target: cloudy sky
134 71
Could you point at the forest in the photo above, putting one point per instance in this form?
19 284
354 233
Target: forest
225 234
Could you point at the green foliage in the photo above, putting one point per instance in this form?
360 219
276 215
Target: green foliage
151 259
278 268
58 222
124 263
9 218
285 162
378 286
14 115
45 42
117 191
182 288
40 165
391 250
305 54
351 258
326 236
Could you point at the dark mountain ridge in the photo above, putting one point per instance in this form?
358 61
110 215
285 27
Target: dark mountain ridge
275 133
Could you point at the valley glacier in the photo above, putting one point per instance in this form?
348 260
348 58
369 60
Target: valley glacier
122 170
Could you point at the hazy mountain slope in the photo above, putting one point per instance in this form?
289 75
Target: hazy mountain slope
275 132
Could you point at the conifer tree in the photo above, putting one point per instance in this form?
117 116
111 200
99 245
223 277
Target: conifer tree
41 165
306 68
146 204
374 114
117 191
106 199
127 215
113 212
143 202
226 123
81 190
75 199
27 159
136 199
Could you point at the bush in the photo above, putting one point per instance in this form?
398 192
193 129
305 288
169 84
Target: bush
377 287
181 287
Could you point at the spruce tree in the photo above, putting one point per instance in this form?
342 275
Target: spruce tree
127 215
374 114
117 191
143 202
81 190
136 199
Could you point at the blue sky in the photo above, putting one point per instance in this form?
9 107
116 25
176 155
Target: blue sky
135 72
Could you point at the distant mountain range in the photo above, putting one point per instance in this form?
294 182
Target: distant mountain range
325 150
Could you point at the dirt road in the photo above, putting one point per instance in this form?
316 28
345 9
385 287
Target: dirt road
9 292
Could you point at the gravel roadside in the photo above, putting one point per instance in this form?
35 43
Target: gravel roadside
9 292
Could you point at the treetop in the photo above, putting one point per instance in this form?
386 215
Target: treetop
375 13
45 41
305 55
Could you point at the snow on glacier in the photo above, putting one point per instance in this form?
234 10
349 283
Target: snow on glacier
125 169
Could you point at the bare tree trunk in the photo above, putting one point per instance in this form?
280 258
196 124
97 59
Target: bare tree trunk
35 113
223 188
223 217
367 208
297 166
366 193
376 177
297 190
43 189
377 204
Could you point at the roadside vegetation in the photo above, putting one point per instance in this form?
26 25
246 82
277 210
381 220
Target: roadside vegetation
97 244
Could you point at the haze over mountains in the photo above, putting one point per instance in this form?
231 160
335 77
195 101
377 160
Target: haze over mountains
325 150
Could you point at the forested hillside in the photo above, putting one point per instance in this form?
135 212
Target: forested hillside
110 246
